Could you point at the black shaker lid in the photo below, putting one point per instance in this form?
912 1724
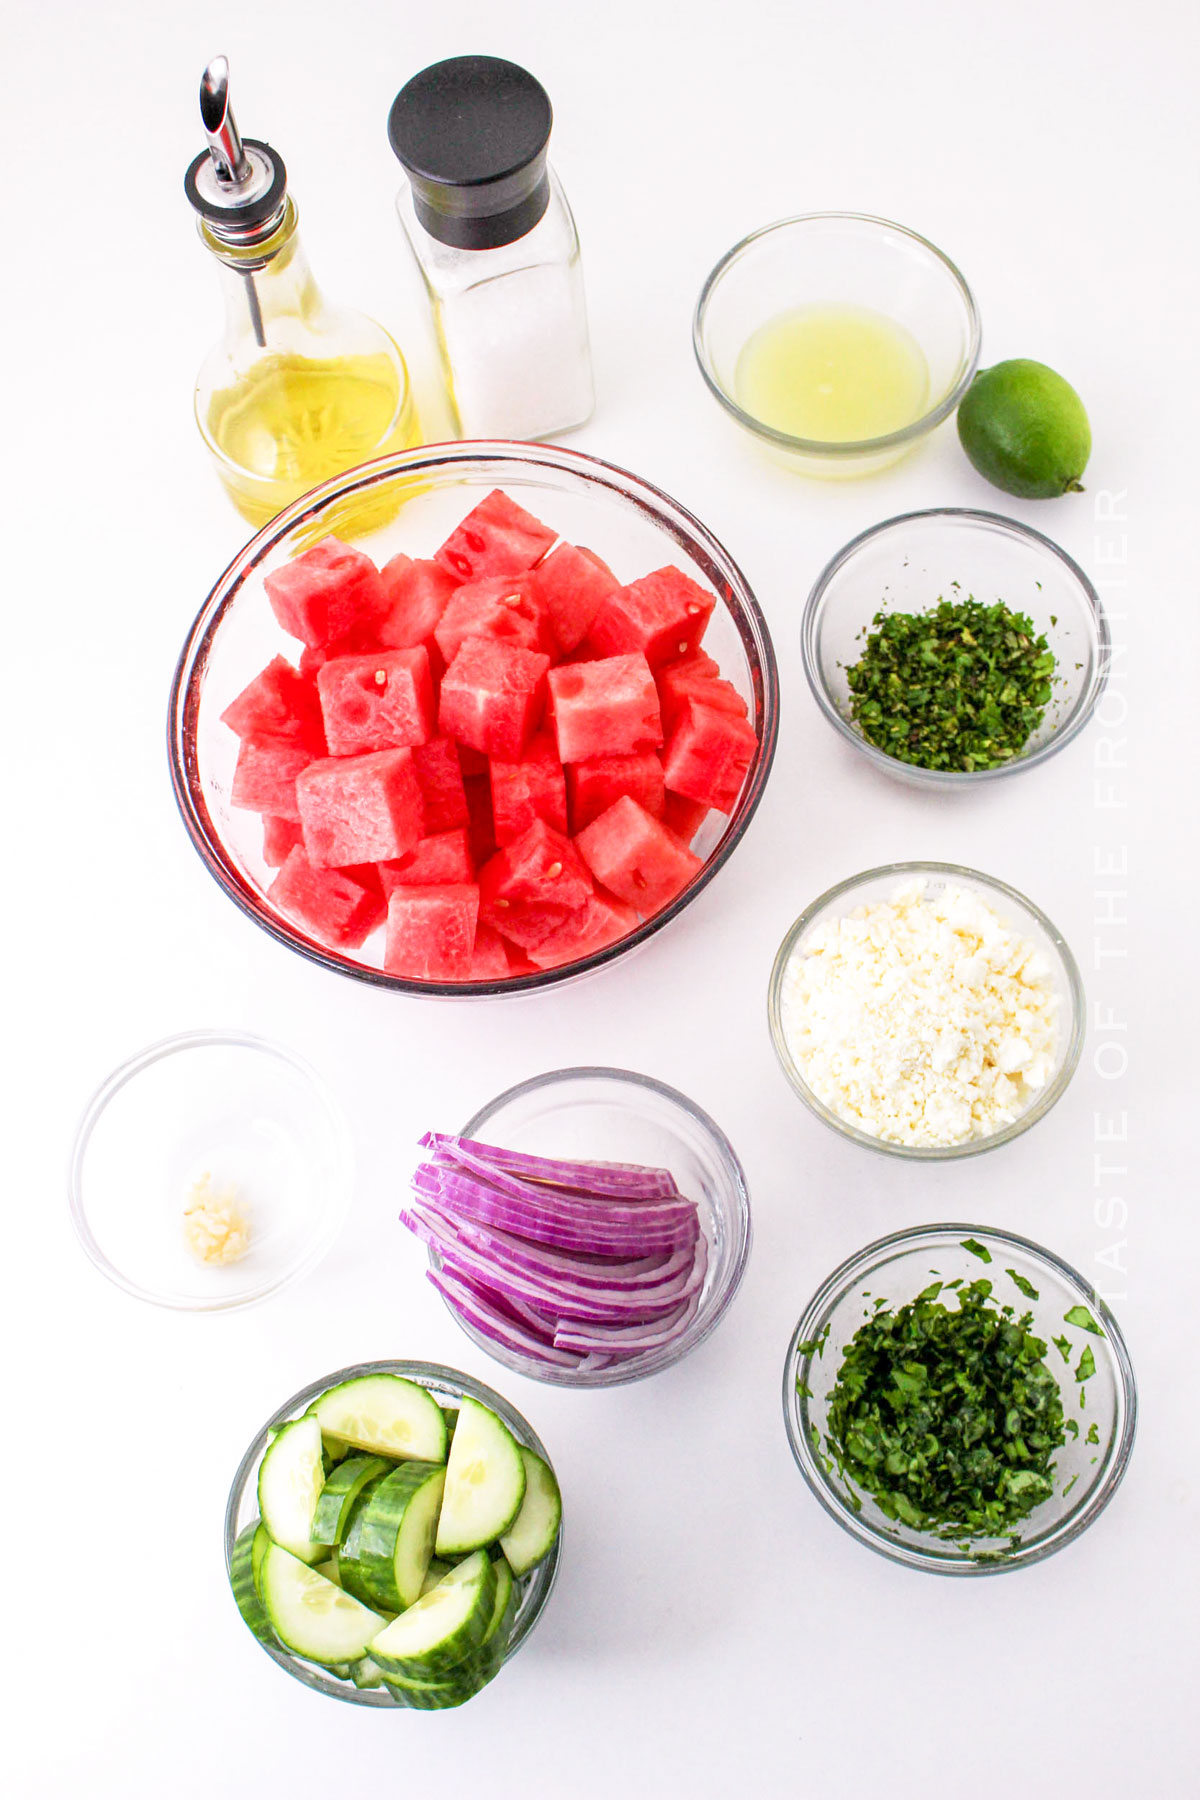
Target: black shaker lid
471 133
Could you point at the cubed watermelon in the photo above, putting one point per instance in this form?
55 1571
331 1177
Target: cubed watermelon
417 594
522 924
570 586
489 961
383 701
481 829
606 708
492 697
530 789
663 615
542 867
264 776
360 809
600 921
330 905
440 778
593 785
431 931
497 537
358 641
497 607
636 857
696 677
325 592
280 837
684 817
443 858
281 704
708 754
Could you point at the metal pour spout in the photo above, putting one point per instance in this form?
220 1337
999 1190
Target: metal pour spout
230 162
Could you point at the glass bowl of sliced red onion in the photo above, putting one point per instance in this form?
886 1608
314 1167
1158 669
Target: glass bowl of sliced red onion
587 1227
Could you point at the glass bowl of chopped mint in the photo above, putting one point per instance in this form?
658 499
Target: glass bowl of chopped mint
955 646
960 1400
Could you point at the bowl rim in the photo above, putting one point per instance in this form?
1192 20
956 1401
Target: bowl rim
544 1573
1080 715
125 1072
677 522
651 1362
852 447
860 1265
991 884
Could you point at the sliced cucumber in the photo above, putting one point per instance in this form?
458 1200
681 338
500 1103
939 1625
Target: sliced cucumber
443 1627
290 1478
342 1488
384 1414
313 1616
434 1696
490 1655
531 1535
330 1569
366 1674
485 1482
249 1550
395 1542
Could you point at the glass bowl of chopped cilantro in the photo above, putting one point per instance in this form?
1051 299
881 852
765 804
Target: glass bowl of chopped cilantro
960 1400
955 646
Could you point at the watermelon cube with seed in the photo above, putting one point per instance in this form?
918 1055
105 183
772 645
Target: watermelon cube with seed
325 592
497 607
636 857
571 586
360 809
542 868
530 789
664 615
497 537
492 697
264 776
279 703
437 860
339 909
417 595
431 931
604 708
383 701
593 785
708 754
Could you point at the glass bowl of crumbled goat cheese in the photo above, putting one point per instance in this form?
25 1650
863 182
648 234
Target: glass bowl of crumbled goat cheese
926 1010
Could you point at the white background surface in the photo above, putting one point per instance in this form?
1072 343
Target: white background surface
713 1633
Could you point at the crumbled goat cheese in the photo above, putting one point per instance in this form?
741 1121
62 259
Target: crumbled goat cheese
924 1019
216 1224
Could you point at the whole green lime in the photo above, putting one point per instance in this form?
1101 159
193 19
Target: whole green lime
1025 430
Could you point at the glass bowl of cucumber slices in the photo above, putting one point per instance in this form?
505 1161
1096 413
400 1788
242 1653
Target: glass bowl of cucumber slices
392 1535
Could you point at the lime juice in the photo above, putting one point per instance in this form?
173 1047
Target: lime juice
832 374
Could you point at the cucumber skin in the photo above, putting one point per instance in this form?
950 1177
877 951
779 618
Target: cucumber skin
435 1696
443 1660
243 1574
540 1484
331 1520
472 1675
310 1552
382 1521
348 1567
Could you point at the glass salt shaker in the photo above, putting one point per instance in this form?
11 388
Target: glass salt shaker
493 237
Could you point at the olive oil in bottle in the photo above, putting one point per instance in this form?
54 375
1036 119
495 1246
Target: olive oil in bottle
297 390
832 374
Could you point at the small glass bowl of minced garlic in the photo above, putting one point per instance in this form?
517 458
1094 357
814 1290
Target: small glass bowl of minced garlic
209 1171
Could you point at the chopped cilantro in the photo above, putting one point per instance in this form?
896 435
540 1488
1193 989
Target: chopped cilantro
1026 1287
977 1249
1079 1315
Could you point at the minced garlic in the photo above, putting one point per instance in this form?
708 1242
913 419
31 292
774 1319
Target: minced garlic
925 1019
216 1223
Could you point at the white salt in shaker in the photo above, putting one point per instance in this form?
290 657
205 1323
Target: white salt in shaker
495 242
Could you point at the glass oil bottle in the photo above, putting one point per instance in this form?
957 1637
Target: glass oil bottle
296 390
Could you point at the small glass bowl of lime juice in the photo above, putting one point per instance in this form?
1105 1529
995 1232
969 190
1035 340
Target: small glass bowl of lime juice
837 340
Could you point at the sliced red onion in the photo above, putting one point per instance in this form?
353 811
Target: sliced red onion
590 1230
579 1335
572 1301
630 1180
641 1215
495 1326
